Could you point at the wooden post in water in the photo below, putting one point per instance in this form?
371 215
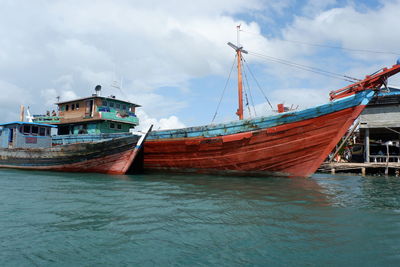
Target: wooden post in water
387 159
366 145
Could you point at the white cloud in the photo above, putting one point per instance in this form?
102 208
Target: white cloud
171 122
313 7
348 27
73 45
11 98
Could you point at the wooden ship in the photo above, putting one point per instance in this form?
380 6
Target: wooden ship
92 136
292 144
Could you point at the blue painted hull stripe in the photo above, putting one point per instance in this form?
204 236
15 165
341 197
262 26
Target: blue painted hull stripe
361 98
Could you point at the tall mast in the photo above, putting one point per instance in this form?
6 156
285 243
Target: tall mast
239 50
239 112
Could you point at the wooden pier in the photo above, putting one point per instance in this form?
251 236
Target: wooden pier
367 168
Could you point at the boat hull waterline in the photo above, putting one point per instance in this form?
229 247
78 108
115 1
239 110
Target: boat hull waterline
113 156
291 144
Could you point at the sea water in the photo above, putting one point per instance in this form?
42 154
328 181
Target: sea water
71 219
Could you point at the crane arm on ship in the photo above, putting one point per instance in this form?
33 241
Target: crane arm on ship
373 81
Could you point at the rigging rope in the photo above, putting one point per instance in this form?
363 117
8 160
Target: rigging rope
334 47
345 48
248 86
307 68
258 85
223 92
247 102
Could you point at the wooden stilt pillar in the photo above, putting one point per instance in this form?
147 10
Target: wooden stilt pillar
363 171
366 145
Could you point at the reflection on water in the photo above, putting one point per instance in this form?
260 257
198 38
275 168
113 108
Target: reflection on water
52 218
361 192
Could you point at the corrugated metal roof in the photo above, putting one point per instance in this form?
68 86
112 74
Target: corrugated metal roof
101 97
27 123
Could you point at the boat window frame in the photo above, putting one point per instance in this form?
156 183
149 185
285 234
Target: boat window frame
26 127
42 131
35 132
119 126
112 125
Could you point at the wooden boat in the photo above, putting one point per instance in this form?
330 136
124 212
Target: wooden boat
25 145
292 144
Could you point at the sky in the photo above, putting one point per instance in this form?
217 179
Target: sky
172 57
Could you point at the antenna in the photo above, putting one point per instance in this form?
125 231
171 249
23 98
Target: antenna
238 34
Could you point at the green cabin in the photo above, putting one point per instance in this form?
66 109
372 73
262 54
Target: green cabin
92 115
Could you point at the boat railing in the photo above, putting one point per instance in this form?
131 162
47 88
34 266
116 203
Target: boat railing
115 112
85 138
45 118
384 158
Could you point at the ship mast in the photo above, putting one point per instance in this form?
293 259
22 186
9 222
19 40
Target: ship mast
239 50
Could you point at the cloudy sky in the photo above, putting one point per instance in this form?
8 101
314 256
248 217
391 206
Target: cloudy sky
171 56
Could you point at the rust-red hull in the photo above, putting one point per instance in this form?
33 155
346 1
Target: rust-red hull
113 164
109 156
294 149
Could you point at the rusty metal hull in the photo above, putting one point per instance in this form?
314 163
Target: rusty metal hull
113 156
291 144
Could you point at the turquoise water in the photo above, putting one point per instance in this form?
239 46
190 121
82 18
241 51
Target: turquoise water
59 219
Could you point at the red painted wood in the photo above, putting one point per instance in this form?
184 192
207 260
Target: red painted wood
113 164
294 149
373 82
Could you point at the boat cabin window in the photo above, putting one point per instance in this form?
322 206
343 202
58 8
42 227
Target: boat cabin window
118 106
112 125
119 126
77 105
42 131
66 107
26 129
104 103
73 107
111 104
124 107
35 130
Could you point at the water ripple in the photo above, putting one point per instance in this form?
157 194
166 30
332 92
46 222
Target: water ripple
67 219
